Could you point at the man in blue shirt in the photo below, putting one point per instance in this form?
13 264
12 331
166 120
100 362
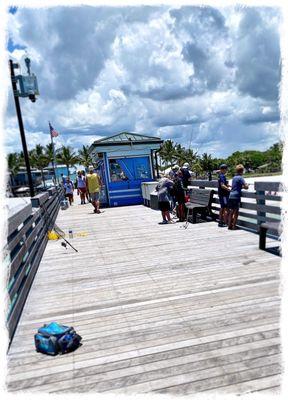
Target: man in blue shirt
238 183
223 194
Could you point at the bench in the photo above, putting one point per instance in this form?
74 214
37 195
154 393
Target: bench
200 203
264 227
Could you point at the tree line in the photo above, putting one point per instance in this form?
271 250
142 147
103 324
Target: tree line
42 156
171 153
253 160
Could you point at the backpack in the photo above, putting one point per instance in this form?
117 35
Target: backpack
55 338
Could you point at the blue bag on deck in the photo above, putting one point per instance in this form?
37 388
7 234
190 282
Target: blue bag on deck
55 338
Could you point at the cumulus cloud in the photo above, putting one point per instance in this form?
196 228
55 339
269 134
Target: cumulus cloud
201 76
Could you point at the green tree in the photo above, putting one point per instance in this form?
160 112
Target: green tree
207 163
39 159
14 162
67 157
49 152
191 157
179 155
167 152
85 157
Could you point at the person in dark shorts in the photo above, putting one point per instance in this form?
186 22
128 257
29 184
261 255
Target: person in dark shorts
179 193
69 189
238 183
164 187
223 194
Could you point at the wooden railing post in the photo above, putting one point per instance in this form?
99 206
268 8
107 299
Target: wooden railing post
260 201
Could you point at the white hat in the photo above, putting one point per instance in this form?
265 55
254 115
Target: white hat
175 166
186 165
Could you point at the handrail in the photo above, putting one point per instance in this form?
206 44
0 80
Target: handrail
26 242
255 207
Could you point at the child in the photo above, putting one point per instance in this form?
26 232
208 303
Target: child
238 183
81 186
69 189
223 193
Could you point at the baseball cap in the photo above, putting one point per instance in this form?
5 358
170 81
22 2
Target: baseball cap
175 166
186 165
223 166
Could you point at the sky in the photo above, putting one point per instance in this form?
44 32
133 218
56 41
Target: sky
205 77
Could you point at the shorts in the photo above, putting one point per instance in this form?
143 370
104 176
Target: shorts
69 195
234 204
164 205
95 196
82 190
223 201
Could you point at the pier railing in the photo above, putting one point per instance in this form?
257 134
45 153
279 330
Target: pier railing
28 223
258 206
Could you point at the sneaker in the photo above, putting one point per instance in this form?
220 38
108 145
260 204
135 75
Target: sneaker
164 222
170 222
221 225
98 212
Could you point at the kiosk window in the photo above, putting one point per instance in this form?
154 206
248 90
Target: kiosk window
116 172
141 171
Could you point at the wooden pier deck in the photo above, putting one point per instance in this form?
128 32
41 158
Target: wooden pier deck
160 308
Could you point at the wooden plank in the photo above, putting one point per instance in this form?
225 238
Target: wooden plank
151 309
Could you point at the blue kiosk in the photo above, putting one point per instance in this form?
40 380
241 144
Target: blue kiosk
124 161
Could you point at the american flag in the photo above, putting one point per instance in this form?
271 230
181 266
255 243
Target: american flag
53 133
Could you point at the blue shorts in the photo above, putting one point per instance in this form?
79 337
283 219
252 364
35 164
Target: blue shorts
95 196
223 201
234 204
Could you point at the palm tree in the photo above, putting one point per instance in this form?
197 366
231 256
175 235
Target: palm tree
85 157
14 161
49 151
179 154
191 157
67 157
39 159
207 163
167 152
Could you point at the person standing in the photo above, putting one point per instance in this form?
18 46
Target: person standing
93 185
179 192
238 183
185 175
164 187
69 189
83 173
81 186
223 194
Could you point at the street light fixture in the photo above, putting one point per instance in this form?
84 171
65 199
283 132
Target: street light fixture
28 87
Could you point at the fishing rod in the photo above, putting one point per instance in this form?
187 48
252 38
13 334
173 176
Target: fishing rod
56 228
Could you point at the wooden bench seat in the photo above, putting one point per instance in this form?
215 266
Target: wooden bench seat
200 203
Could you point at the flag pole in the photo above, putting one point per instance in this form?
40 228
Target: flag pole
54 158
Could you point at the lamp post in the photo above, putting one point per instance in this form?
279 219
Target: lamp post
23 93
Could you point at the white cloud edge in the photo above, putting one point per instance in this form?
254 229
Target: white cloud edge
283 127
